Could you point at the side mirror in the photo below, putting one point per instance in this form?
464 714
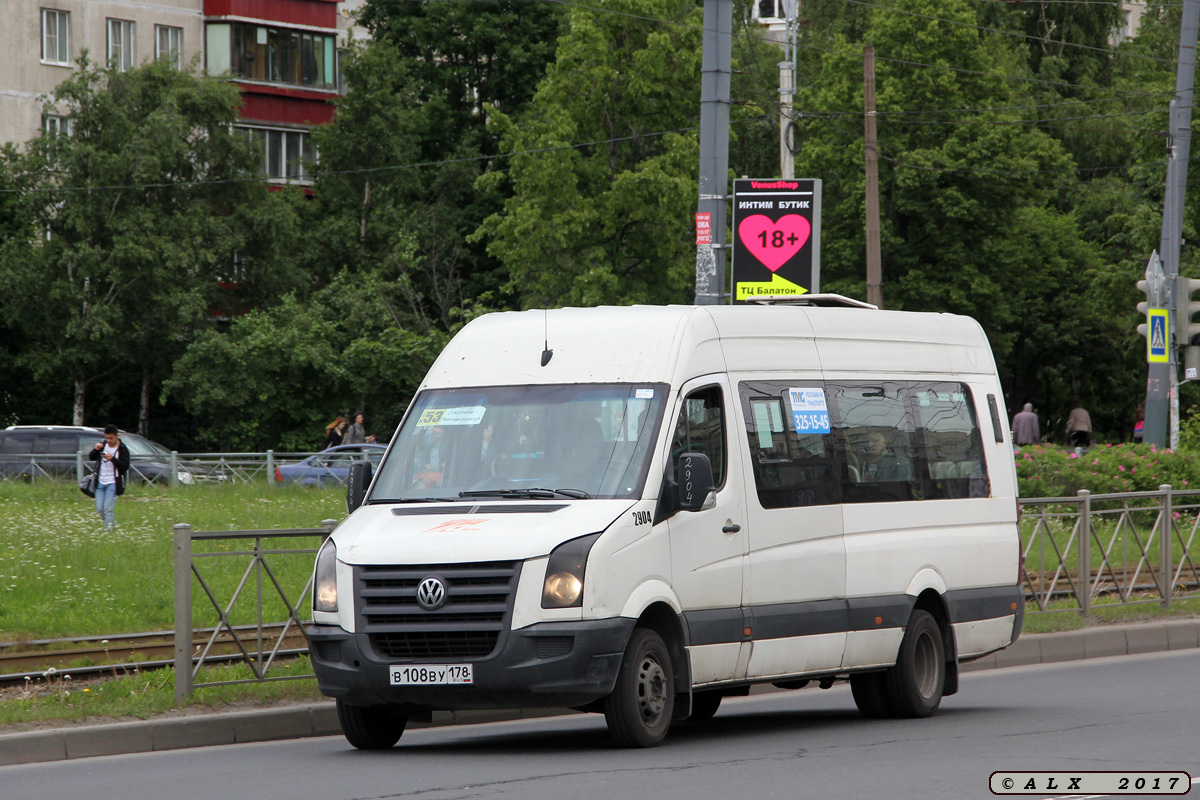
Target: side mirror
694 482
357 483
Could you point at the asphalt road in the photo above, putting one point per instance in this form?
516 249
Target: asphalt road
1123 713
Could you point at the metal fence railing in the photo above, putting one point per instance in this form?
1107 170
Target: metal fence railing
1077 553
184 468
1105 549
260 642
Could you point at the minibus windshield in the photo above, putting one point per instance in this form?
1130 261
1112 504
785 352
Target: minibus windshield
575 441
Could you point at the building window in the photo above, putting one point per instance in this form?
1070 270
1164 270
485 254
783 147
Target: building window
272 55
286 153
120 44
53 125
168 44
56 39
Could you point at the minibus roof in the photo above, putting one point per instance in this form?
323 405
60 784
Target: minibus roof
671 344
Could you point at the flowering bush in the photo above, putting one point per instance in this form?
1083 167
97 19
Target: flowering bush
1050 472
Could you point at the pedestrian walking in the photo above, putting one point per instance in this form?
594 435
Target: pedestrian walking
113 459
1079 427
333 432
356 433
1025 428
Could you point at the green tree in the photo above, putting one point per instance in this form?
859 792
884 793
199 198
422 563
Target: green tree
279 375
129 223
604 183
421 92
975 197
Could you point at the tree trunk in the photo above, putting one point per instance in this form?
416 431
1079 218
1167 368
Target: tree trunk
80 393
144 405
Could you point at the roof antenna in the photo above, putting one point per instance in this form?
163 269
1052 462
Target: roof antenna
547 353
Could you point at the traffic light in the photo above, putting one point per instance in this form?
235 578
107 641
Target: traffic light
1187 328
1144 307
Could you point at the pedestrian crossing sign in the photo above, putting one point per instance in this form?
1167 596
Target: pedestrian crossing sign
1156 342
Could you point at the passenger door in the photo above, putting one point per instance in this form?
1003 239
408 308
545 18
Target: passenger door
796 582
708 547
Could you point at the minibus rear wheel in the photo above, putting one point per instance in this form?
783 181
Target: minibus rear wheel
638 711
870 694
915 684
371 728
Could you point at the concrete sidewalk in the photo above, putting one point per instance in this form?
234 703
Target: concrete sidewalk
320 719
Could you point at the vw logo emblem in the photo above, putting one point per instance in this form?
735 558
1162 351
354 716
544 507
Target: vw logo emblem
431 594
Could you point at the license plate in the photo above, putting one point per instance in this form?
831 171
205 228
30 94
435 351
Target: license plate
430 674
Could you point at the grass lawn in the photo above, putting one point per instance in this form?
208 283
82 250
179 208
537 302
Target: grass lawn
62 575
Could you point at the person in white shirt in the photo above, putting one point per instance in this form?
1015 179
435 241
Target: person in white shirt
113 462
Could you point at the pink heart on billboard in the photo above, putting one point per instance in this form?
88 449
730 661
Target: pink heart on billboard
773 243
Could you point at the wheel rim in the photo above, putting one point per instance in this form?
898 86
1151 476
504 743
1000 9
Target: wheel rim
925 666
651 688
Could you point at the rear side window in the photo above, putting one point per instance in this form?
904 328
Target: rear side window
59 443
862 442
17 444
952 450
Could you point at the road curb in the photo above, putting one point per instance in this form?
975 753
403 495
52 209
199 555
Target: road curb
320 719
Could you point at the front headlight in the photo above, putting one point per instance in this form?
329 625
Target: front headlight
564 573
185 477
325 578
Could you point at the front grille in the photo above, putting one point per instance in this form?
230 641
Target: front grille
468 625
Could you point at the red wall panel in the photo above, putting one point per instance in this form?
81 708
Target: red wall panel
286 106
316 13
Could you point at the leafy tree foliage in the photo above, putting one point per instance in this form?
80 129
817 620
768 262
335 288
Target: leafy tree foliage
279 375
127 226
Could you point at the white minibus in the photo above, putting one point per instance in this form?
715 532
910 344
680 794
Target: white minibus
639 511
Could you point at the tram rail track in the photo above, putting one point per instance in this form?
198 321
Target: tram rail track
116 654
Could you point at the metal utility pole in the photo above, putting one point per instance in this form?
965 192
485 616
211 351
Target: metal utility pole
1162 384
874 258
715 70
787 89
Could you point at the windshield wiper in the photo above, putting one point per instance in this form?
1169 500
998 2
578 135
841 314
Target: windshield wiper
387 500
533 492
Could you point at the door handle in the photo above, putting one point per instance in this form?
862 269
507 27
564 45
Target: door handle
731 527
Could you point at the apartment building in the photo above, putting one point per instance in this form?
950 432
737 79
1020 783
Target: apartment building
40 43
282 54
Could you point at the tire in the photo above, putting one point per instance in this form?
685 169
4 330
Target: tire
705 705
915 684
638 711
373 728
871 694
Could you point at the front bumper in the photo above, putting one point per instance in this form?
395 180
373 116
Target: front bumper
548 665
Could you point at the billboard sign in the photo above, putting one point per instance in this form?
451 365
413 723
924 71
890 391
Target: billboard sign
777 238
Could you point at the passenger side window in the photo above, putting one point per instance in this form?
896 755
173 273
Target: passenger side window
874 421
792 450
701 429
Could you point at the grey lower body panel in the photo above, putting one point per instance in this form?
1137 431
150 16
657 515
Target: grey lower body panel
547 665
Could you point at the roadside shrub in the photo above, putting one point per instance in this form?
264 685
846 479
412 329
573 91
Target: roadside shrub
1051 472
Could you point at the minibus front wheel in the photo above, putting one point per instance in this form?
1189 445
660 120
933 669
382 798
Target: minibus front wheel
371 728
639 710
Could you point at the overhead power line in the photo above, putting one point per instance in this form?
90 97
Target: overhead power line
1015 34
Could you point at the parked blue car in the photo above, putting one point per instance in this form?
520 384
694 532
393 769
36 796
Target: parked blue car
329 467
